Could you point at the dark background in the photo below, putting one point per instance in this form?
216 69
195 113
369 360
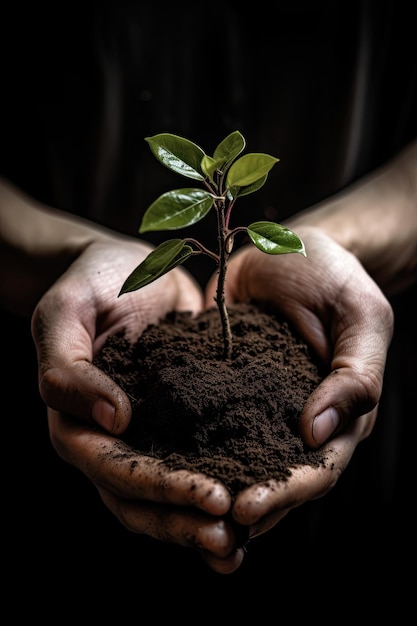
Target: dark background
330 89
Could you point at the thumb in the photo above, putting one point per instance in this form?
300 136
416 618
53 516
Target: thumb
85 392
341 398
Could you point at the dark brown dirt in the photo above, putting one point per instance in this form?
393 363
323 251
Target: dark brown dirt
234 420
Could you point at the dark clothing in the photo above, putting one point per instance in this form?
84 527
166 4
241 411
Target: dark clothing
328 87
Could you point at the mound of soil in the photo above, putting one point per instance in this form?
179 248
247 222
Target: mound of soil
235 420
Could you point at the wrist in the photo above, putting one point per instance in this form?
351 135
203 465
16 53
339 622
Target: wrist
37 244
376 220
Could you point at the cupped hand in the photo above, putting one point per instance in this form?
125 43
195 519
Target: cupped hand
75 316
262 506
338 310
181 507
69 326
343 315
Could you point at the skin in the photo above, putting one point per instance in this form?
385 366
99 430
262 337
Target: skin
348 320
130 485
352 338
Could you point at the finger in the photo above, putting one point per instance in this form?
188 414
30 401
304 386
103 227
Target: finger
63 331
113 465
354 385
86 392
275 498
187 527
226 565
215 539
343 396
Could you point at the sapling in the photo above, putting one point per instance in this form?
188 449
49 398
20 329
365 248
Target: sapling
225 176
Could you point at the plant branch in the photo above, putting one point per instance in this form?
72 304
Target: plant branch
220 298
202 249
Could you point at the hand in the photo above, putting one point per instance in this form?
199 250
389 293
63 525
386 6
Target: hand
338 310
262 506
187 509
76 315
342 314
69 325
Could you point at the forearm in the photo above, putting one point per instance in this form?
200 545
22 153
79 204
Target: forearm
376 219
37 244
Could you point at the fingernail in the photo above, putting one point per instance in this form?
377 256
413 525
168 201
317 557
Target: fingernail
325 424
103 413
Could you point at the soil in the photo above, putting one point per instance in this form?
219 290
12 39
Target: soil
234 420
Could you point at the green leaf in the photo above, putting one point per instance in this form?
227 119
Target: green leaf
274 238
209 166
177 209
249 168
234 192
225 153
229 148
178 154
163 259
